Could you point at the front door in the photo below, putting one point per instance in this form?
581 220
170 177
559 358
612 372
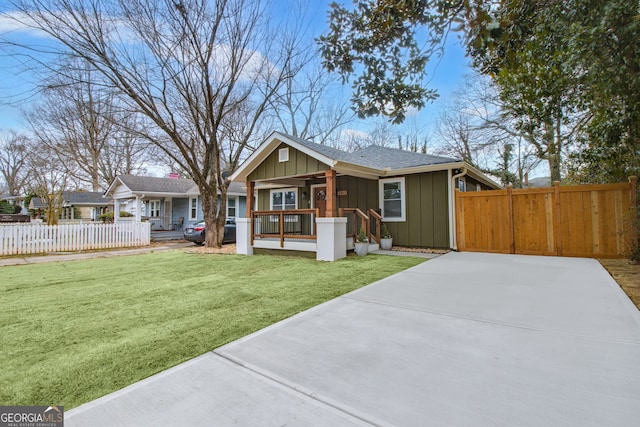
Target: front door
320 200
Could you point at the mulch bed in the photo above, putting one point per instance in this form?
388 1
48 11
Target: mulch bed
420 250
627 275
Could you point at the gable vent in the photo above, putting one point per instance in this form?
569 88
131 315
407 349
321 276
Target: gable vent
283 155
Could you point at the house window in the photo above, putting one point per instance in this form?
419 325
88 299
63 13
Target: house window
284 199
478 187
193 207
462 185
283 155
231 208
154 208
392 199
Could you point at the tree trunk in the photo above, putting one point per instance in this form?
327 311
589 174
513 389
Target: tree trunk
211 219
553 151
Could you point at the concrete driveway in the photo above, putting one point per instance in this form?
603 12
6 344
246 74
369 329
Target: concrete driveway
464 339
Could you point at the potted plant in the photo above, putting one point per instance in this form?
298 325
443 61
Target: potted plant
386 240
362 243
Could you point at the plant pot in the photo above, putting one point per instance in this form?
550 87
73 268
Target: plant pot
386 244
362 248
350 244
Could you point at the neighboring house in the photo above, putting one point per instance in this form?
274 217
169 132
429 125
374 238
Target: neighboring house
168 203
89 204
14 200
413 192
76 206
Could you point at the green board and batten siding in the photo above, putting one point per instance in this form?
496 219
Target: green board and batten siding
427 208
426 194
361 193
298 164
427 223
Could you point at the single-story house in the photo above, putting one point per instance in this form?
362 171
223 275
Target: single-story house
76 205
412 193
14 200
168 203
90 204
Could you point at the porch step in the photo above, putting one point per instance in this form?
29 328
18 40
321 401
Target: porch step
162 236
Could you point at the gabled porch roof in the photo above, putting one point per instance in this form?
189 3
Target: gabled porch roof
371 162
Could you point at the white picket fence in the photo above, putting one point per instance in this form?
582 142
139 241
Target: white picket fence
17 239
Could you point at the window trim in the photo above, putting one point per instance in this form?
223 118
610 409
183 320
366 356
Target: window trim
191 208
462 184
151 203
282 190
403 199
235 206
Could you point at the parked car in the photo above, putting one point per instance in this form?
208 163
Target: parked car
195 233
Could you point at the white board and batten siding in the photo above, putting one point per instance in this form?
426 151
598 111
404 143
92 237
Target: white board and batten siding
17 239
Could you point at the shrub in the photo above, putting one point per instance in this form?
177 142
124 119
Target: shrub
384 232
362 236
8 208
108 217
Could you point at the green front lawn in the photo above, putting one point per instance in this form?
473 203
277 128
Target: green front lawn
72 332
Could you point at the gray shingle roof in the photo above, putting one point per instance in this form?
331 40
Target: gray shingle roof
37 203
376 157
379 157
325 150
237 188
89 198
151 184
157 185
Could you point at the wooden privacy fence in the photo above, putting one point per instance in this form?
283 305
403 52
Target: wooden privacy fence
583 221
16 239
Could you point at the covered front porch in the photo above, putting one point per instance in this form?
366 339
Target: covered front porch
303 214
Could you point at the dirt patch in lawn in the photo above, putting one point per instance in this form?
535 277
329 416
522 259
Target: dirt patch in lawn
627 275
225 249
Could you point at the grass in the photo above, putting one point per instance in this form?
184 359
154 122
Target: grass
72 332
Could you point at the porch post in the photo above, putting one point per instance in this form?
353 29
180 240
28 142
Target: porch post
138 210
331 197
251 186
243 225
331 243
116 210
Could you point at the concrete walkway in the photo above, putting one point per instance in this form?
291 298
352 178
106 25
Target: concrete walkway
73 256
464 339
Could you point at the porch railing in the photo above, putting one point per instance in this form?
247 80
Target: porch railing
375 225
357 219
285 224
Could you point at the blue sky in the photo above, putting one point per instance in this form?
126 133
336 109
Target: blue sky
17 83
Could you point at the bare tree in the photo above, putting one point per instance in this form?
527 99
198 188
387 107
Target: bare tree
80 124
14 152
185 66
475 129
302 109
47 180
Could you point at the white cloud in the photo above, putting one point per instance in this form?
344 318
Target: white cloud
353 133
256 63
18 22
